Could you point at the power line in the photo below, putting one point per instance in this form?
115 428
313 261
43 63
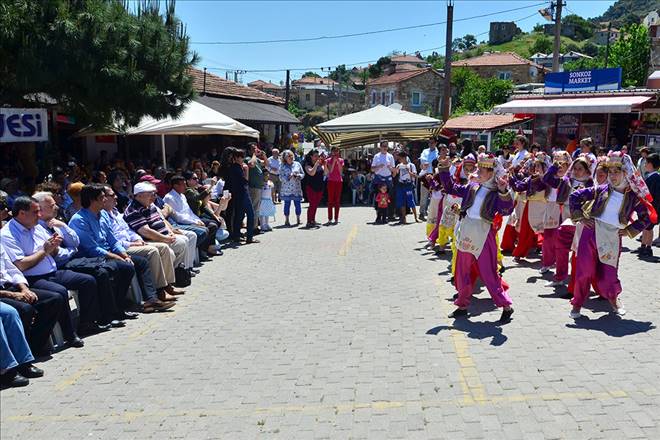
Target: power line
358 34
360 63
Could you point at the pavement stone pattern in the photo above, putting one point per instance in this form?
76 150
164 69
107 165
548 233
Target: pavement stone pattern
342 333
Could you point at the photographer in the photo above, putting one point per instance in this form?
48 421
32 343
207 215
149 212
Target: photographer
256 160
314 171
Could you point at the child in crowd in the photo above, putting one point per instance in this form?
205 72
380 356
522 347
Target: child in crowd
382 203
357 186
652 179
405 197
267 207
368 183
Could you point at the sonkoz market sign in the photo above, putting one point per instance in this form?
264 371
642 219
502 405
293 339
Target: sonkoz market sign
583 80
23 125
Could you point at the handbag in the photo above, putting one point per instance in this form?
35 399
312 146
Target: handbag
181 277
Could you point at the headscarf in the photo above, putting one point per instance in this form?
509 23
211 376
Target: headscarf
632 178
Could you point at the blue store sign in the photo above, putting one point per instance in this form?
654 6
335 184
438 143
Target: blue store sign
23 125
583 80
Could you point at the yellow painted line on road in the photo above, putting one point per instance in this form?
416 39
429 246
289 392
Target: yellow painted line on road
347 243
468 374
348 407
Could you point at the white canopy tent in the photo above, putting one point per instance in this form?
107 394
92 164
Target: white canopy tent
372 125
196 119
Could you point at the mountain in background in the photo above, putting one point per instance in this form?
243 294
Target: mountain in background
623 10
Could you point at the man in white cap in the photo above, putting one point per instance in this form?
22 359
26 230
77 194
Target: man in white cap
144 218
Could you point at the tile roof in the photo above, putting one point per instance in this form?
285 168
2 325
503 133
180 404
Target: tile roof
217 86
495 59
400 76
481 122
407 59
313 80
260 84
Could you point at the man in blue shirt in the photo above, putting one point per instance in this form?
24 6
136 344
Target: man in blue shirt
33 251
98 241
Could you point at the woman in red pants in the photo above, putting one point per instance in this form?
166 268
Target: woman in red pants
314 173
334 170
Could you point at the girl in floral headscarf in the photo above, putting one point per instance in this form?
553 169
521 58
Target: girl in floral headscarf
605 211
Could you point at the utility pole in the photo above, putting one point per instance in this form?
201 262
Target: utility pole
557 45
446 98
287 93
607 48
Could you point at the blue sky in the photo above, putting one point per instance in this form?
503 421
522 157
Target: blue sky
265 20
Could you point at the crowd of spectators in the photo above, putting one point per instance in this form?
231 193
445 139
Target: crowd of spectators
102 229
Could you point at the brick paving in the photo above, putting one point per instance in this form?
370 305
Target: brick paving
342 333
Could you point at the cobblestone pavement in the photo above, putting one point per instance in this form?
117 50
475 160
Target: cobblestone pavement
342 333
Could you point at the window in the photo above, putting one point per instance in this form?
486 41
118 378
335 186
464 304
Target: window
373 98
307 97
382 98
416 99
391 97
504 75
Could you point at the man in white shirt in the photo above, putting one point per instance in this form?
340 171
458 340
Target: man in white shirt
425 165
273 164
383 165
38 309
185 218
520 144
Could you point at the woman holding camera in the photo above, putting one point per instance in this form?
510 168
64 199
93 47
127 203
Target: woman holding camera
314 172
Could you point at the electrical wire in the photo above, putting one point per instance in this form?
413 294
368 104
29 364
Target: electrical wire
361 63
358 34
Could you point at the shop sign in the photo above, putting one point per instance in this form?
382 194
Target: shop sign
583 80
23 125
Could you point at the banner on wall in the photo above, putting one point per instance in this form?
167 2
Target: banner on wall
583 80
23 125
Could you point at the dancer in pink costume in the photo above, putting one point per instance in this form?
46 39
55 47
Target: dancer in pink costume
605 211
476 251
577 177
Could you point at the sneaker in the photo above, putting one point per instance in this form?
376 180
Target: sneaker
575 314
554 283
545 269
618 308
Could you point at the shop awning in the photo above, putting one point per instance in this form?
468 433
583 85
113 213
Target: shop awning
609 104
251 111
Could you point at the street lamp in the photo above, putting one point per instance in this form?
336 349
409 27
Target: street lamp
327 97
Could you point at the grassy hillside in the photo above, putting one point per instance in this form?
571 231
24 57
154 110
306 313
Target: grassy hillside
622 8
521 45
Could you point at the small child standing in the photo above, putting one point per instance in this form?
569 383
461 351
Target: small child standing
267 207
382 203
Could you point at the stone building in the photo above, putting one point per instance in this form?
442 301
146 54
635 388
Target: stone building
502 32
504 65
567 29
268 87
602 35
418 91
315 92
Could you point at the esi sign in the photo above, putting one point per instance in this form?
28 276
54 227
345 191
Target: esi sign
583 80
23 125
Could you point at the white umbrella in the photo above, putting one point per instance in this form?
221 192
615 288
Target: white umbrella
196 119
